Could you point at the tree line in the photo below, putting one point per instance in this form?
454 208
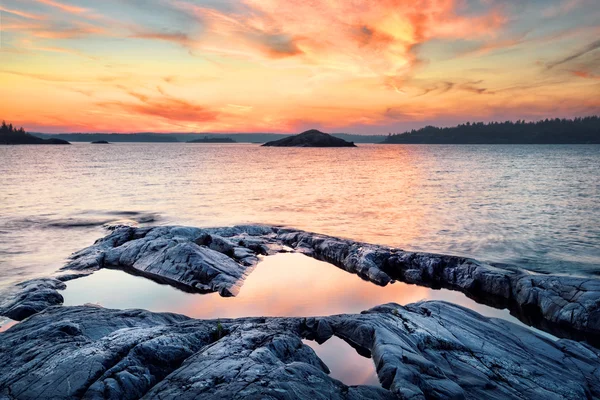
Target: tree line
9 129
548 131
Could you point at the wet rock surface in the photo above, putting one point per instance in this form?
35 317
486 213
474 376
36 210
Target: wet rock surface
30 297
192 259
562 305
428 350
217 259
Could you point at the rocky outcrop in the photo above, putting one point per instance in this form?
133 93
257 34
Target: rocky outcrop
217 259
566 306
30 297
311 138
192 259
429 350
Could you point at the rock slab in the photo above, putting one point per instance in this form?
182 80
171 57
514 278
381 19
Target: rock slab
427 350
218 259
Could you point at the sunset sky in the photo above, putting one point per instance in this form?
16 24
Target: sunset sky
357 66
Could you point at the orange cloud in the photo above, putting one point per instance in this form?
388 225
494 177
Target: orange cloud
360 37
172 109
585 74
364 65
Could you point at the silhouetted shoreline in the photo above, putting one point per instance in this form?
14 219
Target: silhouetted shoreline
10 135
549 131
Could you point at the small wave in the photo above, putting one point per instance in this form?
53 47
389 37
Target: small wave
75 223
134 218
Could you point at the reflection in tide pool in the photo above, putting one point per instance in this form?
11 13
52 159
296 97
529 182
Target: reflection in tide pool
6 323
344 363
281 285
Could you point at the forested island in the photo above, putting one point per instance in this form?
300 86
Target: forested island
10 134
584 130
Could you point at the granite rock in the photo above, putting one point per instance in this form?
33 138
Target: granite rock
30 297
218 259
193 259
427 350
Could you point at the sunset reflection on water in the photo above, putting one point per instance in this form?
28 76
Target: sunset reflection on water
285 284
281 285
533 206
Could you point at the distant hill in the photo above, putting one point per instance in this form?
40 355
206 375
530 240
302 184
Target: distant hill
112 137
213 139
310 138
549 131
186 137
12 135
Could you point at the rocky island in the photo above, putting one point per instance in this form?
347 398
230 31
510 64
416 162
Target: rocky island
12 135
311 138
100 142
425 350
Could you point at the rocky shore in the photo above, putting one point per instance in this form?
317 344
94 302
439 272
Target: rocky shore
426 350
429 350
217 259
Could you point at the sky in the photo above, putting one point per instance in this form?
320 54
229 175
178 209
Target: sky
356 66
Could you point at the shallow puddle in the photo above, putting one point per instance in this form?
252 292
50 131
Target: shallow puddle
284 284
344 363
6 323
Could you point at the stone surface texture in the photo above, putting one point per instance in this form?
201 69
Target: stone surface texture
30 297
218 259
427 350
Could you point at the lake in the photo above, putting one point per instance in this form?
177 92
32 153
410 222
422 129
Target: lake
534 206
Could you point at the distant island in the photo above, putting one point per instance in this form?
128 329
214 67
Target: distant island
100 142
549 131
149 137
12 135
207 139
114 137
311 138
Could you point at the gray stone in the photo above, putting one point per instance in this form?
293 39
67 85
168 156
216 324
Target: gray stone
30 297
567 306
217 259
427 350
196 260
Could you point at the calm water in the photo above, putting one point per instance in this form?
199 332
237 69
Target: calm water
535 206
280 285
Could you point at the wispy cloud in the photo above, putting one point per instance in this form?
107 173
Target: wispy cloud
64 7
586 49
22 14
174 37
255 64
166 107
